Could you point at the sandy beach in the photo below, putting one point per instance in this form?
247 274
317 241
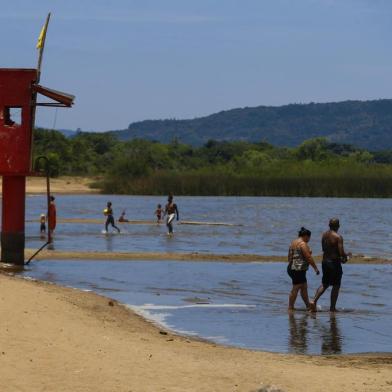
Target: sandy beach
60 185
60 339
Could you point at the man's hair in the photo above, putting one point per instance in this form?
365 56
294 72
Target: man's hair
52 198
334 223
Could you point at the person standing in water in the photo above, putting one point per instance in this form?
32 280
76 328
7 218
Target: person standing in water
333 257
171 210
299 259
42 227
122 217
108 211
52 217
158 213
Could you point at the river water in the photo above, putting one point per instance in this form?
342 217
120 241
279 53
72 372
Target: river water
237 304
264 225
240 304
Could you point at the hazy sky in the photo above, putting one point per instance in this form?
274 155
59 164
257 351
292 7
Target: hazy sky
129 60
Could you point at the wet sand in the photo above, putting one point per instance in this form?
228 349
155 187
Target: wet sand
61 185
54 338
229 258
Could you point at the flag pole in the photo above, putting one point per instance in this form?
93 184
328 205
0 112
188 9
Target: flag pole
41 45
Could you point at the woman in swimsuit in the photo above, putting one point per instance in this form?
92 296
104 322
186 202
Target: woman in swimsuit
299 259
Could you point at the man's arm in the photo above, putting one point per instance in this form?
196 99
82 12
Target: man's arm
177 213
343 255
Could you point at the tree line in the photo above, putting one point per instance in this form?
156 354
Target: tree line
315 168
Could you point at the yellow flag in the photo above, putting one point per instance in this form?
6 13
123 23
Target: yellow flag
42 34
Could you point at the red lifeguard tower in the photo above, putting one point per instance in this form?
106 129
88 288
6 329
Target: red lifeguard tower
18 101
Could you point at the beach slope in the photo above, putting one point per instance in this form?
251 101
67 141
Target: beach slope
60 339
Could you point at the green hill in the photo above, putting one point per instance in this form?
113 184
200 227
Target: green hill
366 124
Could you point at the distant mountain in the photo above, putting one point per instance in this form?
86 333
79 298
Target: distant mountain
67 132
366 124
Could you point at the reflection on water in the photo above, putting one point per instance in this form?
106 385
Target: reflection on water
241 304
331 339
303 324
298 339
267 224
109 243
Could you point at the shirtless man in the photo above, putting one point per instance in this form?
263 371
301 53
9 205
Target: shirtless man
171 211
333 258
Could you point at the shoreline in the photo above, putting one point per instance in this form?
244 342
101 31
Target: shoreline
195 257
186 335
106 346
81 185
63 185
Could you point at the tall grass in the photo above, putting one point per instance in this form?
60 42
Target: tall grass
285 180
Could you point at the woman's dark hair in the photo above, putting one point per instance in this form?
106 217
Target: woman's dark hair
302 232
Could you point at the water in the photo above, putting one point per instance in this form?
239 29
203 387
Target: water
266 225
241 304
238 304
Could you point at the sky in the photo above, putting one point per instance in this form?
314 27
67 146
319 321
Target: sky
131 60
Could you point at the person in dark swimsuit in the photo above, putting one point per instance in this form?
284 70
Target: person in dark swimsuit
109 217
334 256
171 211
299 259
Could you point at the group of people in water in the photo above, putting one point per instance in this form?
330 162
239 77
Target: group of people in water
300 258
170 212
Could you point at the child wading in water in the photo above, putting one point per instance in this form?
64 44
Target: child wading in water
122 217
42 227
158 213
